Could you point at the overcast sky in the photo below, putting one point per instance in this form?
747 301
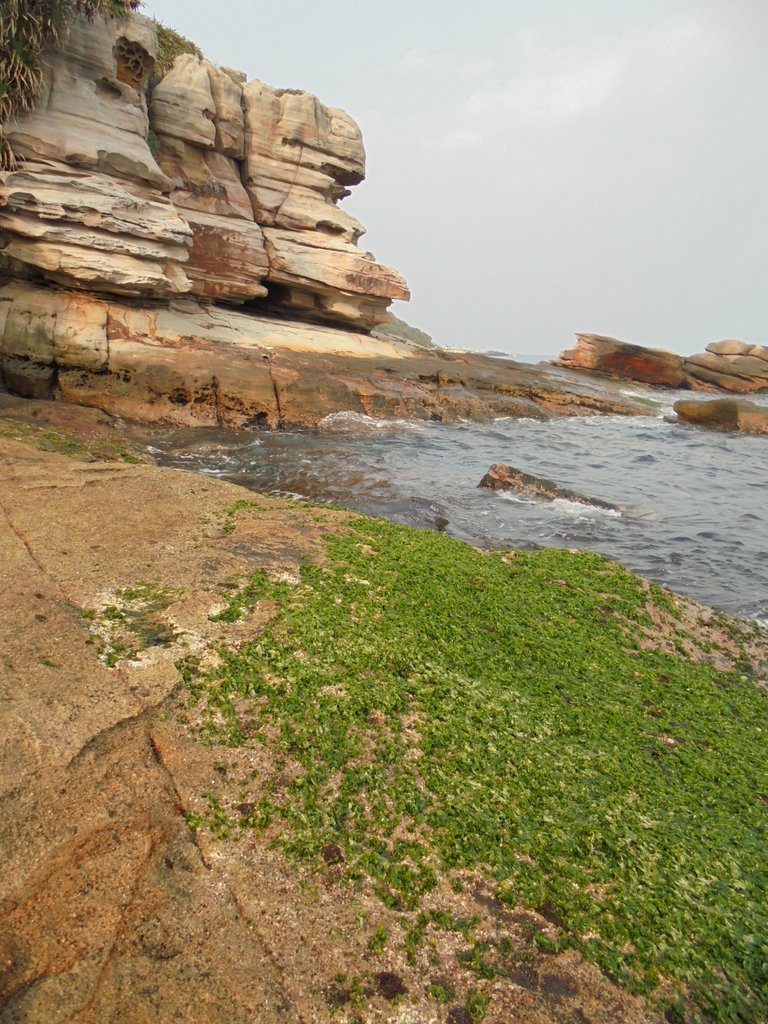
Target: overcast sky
540 167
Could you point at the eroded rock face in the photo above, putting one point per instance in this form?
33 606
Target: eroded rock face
198 137
620 359
725 414
300 156
87 207
731 370
89 230
192 364
93 208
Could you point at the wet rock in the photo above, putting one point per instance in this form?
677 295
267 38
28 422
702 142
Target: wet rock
725 414
501 477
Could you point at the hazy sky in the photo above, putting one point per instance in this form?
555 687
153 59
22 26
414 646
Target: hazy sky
540 167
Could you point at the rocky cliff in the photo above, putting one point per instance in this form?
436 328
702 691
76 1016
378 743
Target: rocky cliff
216 189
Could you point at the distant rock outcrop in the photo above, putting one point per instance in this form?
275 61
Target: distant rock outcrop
729 365
236 200
620 359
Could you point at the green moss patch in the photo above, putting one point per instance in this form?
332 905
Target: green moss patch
170 45
77 447
433 711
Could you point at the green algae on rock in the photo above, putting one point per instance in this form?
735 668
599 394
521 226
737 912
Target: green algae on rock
582 740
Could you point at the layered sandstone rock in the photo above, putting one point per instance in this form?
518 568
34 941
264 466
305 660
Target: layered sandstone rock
725 414
91 207
195 365
729 365
620 359
300 156
197 116
729 368
88 207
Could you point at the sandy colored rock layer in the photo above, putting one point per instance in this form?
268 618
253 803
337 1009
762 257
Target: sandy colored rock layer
196 365
725 414
218 190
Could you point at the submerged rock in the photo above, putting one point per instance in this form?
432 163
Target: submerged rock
725 414
501 477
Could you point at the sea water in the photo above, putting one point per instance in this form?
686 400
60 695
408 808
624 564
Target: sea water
689 507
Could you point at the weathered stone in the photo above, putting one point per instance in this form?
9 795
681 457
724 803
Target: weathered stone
86 209
759 352
29 324
227 259
182 104
228 118
621 359
732 372
300 157
725 414
342 281
501 477
92 114
80 334
729 347
90 230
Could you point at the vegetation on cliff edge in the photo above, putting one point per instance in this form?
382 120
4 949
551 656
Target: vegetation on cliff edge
545 720
27 28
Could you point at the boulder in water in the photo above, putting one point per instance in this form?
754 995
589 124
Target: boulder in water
501 477
725 414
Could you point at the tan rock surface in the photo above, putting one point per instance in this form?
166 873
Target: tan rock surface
729 347
92 113
87 209
93 209
725 414
228 117
92 231
194 364
300 156
733 372
111 909
227 258
182 103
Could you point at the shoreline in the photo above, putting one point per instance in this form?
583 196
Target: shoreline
119 589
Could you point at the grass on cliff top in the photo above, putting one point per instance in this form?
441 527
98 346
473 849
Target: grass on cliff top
27 29
436 710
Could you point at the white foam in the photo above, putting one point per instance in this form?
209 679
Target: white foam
578 508
360 422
